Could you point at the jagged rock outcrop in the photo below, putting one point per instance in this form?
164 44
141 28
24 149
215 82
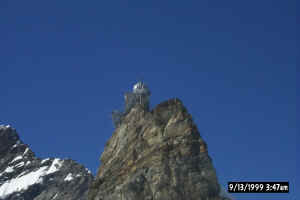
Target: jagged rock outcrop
156 155
23 176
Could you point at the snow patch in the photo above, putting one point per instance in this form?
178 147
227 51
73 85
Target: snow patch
45 160
69 177
4 126
24 181
16 158
23 173
55 166
26 150
21 164
7 170
15 145
55 196
88 170
21 183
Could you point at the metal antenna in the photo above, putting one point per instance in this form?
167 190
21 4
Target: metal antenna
141 79
142 82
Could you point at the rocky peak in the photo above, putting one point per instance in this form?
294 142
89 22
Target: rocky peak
8 137
11 145
23 176
156 155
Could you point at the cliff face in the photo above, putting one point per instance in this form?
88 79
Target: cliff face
23 176
156 155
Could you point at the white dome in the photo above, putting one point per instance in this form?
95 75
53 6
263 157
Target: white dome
140 88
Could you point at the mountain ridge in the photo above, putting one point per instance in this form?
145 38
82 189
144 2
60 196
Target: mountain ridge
23 176
155 154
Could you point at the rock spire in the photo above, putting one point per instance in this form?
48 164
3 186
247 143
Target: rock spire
156 155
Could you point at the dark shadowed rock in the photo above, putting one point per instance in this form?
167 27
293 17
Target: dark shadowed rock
26 177
156 155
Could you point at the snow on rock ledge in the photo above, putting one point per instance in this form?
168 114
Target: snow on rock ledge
22 183
24 176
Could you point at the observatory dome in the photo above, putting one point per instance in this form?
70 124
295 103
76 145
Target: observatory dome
141 88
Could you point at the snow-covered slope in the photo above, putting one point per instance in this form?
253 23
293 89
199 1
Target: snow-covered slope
26 177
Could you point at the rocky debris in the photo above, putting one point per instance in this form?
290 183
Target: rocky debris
156 155
23 176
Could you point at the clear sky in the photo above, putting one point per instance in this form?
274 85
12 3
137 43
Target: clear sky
65 65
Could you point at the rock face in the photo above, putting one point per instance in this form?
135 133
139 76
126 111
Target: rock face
26 177
156 155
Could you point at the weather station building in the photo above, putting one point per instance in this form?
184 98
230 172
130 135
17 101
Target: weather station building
140 95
